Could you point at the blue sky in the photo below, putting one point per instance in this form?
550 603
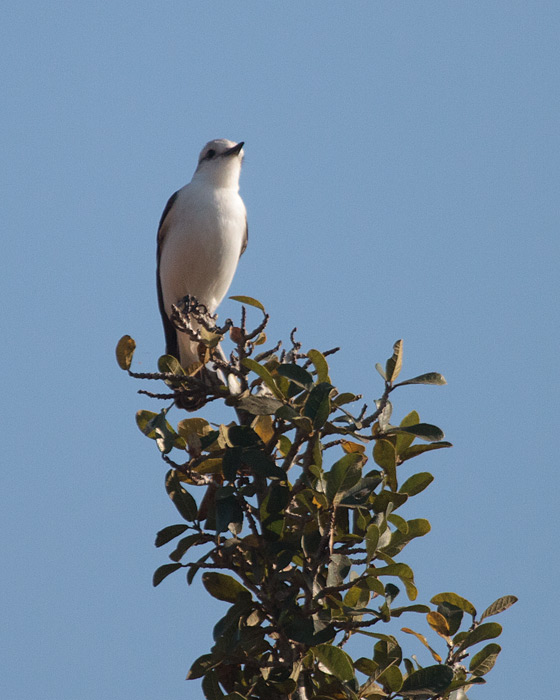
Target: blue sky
401 179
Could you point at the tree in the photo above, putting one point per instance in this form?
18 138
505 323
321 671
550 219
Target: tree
301 493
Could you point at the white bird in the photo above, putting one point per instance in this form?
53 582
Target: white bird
202 234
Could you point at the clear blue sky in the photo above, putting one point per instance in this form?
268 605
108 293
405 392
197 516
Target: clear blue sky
401 179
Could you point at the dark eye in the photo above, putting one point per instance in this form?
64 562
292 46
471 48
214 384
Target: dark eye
211 153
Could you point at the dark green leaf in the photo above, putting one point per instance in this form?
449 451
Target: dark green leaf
339 568
391 679
124 351
452 614
335 660
428 378
404 440
416 483
169 533
201 666
296 374
170 364
397 612
183 546
372 538
416 450
243 435
484 660
229 514
163 572
424 431
222 586
343 475
264 374
231 462
211 687
487 630
382 500
259 405
456 600
249 301
360 493
499 606
318 405
182 499
430 680
385 456
263 465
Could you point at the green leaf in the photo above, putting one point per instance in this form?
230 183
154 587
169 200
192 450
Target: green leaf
335 660
418 608
183 546
182 500
223 587
404 573
229 514
372 539
169 533
156 427
416 450
211 687
163 572
483 661
168 363
488 630
499 606
320 364
296 374
385 456
243 435
124 352
343 475
259 405
263 465
430 680
392 679
404 440
428 378
425 431
394 363
249 301
416 483
318 405
264 374
231 462
452 614
456 600
202 665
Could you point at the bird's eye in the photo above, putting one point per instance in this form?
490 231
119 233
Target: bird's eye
211 153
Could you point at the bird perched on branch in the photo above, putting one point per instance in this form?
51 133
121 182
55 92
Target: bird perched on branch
202 234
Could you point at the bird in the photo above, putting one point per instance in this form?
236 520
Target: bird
201 236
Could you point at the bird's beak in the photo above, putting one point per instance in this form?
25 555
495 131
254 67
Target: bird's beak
234 150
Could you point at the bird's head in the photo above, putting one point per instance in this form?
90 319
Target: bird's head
220 163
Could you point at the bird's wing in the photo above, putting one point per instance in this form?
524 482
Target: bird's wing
171 342
245 239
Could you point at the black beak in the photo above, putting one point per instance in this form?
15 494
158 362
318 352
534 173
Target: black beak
234 150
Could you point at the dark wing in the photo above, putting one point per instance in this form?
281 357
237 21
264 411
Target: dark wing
171 343
246 239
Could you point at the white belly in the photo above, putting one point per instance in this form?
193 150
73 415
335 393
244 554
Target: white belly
201 249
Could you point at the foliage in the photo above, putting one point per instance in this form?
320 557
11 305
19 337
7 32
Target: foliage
298 529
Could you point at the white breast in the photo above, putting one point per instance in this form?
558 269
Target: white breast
202 244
